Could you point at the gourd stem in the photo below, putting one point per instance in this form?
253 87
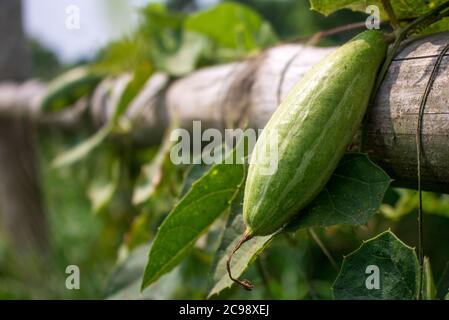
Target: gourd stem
401 33
244 283
390 12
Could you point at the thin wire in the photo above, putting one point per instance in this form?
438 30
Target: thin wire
418 156
323 249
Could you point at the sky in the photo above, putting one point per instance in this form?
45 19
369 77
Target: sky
77 29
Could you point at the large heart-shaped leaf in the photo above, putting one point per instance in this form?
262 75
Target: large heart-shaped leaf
382 268
232 25
352 195
404 9
355 173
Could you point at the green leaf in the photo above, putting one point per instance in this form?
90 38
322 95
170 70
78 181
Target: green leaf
395 262
172 49
139 231
208 198
195 172
234 26
327 7
408 202
68 88
235 227
439 26
404 9
443 284
133 87
151 174
356 175
192 47
122 56
429 290
177 44
125 90
157 18
124 283
81 150
104 185
352 195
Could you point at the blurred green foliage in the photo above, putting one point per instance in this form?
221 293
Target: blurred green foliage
98 238
293 19
45 64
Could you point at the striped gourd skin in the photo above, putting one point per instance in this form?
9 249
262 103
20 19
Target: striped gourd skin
315 123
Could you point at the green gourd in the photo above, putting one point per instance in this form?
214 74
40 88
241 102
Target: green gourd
313 125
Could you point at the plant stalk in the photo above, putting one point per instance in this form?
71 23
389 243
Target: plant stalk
244 283
391 15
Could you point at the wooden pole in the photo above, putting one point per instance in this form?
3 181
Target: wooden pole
227 95
21 208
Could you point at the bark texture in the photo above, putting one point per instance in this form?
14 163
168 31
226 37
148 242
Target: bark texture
21 206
